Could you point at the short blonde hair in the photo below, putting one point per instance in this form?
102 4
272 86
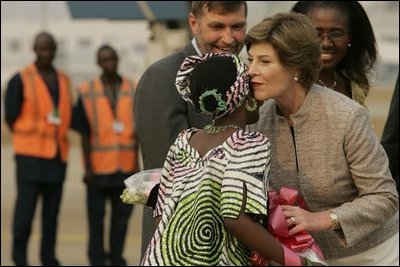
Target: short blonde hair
221 6
295 42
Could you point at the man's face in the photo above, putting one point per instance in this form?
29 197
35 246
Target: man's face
217 31
108 61
45 49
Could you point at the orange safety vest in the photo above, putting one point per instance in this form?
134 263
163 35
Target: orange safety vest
110 150
33 135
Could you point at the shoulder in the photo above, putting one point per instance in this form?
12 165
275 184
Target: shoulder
29 69
160 73
181 142
358 93
184 136
64 78
244 140
336 110
15 85
166 63
62 73
15 79
169 64
187 132
130 81
247 151
333 101
85 86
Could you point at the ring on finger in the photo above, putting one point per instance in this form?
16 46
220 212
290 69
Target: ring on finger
293 219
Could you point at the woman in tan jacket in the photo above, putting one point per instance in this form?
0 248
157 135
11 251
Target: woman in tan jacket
323 145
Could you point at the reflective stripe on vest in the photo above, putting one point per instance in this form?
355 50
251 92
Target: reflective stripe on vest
110 151
32 134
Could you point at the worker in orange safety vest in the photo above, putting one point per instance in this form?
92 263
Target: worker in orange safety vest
38 110
103 115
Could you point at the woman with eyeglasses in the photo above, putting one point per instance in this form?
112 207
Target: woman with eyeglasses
348 46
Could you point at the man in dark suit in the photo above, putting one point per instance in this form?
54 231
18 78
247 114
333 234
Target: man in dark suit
390 136
160 112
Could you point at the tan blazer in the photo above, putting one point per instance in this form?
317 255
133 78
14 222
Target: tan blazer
337 163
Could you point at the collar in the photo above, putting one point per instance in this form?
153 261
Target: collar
306 106
194 43
303 113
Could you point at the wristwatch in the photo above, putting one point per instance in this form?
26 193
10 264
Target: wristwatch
334 220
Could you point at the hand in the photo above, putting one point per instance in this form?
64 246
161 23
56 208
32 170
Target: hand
88 177
299 220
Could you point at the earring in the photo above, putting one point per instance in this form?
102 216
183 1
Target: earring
251 106
296 79
349 44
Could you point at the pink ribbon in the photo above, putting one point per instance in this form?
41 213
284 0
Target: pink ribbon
277 225
291 258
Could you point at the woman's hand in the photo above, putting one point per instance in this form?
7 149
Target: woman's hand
299 220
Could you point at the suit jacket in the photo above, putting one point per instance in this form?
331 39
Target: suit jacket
160 111
390 135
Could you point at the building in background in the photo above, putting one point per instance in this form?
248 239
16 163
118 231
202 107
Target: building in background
139 42
77 40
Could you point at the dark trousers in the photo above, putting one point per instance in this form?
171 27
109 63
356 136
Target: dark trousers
120 213
28 193
37 177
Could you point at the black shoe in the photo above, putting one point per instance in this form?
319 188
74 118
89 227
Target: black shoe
118 262
52 262
21 264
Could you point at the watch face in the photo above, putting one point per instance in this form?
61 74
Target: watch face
333 216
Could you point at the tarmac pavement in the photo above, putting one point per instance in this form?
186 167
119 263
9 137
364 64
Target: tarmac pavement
72 230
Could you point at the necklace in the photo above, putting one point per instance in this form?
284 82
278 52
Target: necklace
333 86
212 129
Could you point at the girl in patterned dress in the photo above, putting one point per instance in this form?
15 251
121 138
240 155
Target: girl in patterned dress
212 201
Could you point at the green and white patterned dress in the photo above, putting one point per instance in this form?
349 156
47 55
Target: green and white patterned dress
196 193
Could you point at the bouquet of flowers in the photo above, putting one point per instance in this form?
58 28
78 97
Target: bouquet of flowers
142 188
301 243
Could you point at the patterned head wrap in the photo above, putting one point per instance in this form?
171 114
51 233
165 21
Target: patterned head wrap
210 84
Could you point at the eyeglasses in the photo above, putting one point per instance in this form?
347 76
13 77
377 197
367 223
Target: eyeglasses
335 36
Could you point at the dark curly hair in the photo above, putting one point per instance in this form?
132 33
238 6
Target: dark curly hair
361 58
215 73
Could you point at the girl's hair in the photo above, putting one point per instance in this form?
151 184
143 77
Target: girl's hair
216 73
215 83
361 57
295 42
